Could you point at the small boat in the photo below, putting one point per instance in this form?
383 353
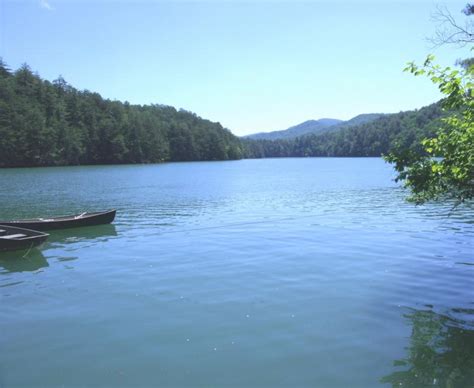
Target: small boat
63 222
13 239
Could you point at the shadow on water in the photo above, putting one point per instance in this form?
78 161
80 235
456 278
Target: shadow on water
440 353
99 233
22 261
32 260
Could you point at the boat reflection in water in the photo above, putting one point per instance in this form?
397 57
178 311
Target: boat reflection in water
21 261
440 351
93 233
57 248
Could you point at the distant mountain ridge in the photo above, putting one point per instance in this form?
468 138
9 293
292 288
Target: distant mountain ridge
311 127
360 119
361 136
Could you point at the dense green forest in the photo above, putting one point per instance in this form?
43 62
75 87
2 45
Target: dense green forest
46 123
402 130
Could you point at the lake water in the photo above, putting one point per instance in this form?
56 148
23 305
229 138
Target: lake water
278 272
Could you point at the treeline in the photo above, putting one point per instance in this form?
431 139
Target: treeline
46 123
402 130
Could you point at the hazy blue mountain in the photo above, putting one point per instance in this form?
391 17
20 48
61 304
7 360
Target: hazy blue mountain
359 120
312 127
365 135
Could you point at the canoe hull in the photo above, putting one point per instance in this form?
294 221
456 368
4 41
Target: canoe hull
32 239
77 221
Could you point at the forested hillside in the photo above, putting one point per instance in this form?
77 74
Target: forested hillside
359 120
46 123
404 130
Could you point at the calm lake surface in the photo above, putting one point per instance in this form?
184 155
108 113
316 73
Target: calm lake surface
278 272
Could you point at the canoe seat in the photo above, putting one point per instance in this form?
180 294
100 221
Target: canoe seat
3 232
13 236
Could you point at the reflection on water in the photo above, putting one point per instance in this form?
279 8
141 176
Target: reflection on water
62 243
440 352
98 233
19 262
283 272
23 261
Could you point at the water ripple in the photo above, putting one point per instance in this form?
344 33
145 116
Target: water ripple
307 272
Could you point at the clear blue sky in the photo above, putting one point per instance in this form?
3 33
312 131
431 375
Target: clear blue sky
253 66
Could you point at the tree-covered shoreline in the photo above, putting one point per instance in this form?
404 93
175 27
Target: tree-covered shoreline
376 138
45 123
